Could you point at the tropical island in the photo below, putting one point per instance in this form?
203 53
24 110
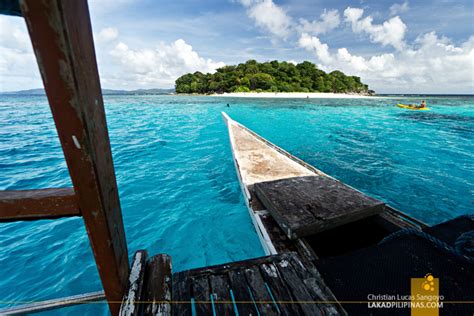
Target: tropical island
273 76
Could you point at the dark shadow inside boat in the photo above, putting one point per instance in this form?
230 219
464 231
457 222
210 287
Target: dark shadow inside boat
386 267
349 237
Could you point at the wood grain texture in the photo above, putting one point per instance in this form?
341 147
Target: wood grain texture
253 283
220 290
130 303
61 34
181 293
279 289
158 286
242 296
259 291
26 205
201 293
307 205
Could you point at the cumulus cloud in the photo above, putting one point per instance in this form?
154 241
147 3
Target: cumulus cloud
18 66
312 43
161 65
398 8
274 19
433 61
107 34
391 32
120 66
329 20
268 16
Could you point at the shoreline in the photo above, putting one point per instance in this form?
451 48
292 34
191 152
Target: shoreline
294 95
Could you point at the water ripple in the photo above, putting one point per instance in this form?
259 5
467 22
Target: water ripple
178 187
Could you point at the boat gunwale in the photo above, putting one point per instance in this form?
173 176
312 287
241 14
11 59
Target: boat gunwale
388 208
262 233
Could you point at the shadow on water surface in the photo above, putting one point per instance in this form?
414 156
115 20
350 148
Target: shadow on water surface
464 125
433 117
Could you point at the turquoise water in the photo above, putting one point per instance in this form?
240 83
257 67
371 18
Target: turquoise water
178 186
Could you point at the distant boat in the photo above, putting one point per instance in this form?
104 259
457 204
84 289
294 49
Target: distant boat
412 107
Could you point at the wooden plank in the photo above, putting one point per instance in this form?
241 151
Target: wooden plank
299 292
181 294
279 290
61 35
130 303
158 286
252 281
26 205
259 291
315 285
220 289
224 268
307 205
201 293
240 289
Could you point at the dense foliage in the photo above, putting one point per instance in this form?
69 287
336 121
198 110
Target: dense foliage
271 76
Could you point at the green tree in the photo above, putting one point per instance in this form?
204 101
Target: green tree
269 76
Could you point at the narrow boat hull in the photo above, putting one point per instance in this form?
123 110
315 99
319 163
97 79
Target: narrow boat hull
257 160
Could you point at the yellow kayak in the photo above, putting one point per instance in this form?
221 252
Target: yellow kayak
411 107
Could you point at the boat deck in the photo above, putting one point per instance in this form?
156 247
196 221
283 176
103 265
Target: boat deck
281 284
308 205
282 207
258 162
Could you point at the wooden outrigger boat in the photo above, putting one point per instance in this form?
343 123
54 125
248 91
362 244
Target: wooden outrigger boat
257 160
359 245
328 244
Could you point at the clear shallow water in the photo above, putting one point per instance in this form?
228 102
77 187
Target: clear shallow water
178 186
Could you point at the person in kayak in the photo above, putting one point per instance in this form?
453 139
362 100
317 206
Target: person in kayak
422 104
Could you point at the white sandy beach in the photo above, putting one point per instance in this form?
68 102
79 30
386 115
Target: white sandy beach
293 95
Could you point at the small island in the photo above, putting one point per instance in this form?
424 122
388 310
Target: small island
273 76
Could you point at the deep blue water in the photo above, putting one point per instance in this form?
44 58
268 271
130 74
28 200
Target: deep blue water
178 186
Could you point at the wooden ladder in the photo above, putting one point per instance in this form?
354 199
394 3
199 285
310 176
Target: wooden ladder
61 33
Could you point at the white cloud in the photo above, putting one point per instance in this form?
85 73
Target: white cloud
270 17
274 19
18 67
107 34
391 32
398 8
159 67
312 43
120 66
433 63
329 20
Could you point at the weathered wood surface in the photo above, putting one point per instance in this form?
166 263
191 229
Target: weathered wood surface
306 205
242 295
157 295
181 294
24 205
257 161
61 34
202 292
270 285
279 288
260 292
220 290
130 303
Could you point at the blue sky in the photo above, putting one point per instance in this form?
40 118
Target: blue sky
394 46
